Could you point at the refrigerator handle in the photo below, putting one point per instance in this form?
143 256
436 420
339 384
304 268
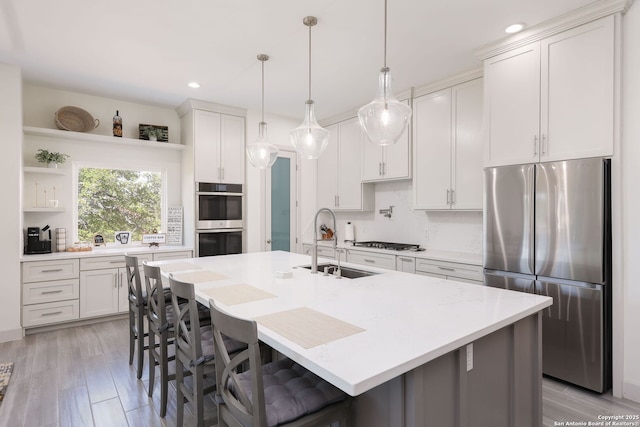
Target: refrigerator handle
531 212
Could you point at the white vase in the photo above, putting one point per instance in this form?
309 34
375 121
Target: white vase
52 165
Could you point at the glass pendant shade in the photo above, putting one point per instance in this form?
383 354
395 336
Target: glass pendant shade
385 118
309 139
261 153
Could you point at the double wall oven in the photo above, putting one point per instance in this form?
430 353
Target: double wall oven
219 219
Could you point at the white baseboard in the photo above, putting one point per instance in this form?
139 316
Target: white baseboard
631 391
11 335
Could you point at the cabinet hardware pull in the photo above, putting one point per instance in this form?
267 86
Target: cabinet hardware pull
447 268
51 292
544 140
379 168
453 197
369 260
535 145
448 195
53 313
53 270
115 262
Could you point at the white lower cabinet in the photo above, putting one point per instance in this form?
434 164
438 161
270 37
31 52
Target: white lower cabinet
50 291
372 259
70 289
469 273
103 285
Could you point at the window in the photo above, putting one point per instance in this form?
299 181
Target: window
111 200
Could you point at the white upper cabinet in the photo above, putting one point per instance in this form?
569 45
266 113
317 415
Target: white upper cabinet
391 162
218 141
340 184
552 99
447 143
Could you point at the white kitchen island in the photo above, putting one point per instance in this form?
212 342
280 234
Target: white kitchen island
429 352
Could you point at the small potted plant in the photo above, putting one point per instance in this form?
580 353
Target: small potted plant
50 158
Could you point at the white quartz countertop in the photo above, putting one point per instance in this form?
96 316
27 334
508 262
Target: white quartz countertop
450 256
408 319
105 251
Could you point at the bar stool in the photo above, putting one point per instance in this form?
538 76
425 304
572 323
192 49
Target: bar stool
160 320
137 311
194 350
280 393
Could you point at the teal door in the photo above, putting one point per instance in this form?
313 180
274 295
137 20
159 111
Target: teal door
281 219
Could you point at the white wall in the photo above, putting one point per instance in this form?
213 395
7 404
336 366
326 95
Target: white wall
631 204
10 214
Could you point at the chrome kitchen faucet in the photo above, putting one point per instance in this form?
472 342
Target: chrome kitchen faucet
314 251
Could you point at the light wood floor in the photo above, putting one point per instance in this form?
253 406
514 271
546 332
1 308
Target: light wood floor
81 377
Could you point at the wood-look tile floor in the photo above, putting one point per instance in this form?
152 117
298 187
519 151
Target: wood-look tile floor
81 376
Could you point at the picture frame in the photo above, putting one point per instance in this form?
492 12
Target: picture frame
153 132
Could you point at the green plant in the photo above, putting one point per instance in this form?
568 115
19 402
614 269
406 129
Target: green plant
45 156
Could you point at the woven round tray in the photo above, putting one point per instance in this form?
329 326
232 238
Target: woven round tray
75 119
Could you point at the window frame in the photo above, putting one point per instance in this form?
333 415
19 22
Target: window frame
76 166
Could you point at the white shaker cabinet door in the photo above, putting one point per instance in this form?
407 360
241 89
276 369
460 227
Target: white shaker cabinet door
327 173
232 149
432 150
577 94
206 146
512 106
99 290
350 165
466 167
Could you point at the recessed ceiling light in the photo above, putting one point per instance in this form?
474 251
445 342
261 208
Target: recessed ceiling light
514 28
194 85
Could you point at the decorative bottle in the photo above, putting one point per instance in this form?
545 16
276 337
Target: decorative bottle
117 125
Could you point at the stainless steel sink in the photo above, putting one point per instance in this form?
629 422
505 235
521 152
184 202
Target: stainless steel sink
347 272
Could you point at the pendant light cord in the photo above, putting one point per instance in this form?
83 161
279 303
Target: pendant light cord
310 62
385 33
262 91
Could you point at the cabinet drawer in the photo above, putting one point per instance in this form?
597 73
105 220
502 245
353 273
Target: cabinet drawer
51 312
41 271
59 290
162 256
452 270
114 261
373 259
323 251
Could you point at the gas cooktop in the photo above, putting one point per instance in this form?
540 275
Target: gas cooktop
389 246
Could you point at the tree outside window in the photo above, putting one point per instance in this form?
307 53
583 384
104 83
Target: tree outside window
111 200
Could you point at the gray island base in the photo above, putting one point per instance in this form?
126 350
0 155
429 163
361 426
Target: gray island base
502 388
428 351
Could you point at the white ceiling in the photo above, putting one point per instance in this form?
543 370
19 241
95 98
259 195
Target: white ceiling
148 50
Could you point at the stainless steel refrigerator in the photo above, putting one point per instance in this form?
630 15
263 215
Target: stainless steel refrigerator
548 231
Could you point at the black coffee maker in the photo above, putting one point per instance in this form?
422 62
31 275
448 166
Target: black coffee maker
35 245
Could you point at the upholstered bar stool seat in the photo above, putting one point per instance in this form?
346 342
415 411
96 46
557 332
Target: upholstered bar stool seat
291 391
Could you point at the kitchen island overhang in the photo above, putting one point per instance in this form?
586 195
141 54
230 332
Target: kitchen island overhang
408 322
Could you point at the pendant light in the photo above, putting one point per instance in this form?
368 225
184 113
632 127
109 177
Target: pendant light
309 139
262 154
385 118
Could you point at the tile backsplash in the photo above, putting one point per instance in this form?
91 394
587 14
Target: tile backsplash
457 231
